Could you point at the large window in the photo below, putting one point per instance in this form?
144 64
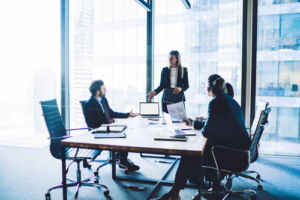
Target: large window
29 68
108 42
209 38
278 74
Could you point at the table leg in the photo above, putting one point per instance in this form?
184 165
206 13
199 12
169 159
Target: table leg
113 165
201 178
159 183
64 181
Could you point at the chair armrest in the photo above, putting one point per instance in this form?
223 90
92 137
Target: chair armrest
59 138
230 159
230 149
265 124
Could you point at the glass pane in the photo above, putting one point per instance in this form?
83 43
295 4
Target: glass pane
30 68
278 72
208 36
108 42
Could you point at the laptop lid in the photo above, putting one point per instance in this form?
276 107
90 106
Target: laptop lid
169 124
149 108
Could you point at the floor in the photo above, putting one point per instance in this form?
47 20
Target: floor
27 173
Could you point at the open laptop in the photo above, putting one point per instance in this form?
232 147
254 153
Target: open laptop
149 109
175 132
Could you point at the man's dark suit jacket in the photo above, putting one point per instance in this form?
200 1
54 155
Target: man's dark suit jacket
94 114
165 80
225 124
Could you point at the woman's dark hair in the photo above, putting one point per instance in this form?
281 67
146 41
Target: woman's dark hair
179 65
229 89
96 85
216 84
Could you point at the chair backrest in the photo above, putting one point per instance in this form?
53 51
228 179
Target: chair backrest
260 106
262 122
55 126
83 103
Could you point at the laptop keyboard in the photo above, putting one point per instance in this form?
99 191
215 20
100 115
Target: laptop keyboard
178 131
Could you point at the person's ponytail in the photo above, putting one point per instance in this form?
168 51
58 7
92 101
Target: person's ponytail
218 86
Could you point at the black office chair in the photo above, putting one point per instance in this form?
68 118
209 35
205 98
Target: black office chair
104 162
261 119
222 154
57 133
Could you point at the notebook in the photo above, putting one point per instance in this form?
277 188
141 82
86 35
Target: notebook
109 135
107 128
170 138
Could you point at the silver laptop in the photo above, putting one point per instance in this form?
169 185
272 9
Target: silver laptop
149 109
175 132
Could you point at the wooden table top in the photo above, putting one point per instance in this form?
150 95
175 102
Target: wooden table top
140 138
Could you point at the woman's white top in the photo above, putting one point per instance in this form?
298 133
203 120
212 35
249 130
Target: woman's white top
173 77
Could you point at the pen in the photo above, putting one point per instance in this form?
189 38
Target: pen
161 161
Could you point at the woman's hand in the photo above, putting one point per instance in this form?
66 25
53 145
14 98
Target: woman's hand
111 121
200 118
188 121
132 114
151 95
177 90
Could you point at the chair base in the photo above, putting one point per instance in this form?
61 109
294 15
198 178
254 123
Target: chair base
79 183
257 179
226 194
76 184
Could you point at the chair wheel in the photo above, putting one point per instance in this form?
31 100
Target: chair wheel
253 197
259 187
106 193
48 196
96 173
258 176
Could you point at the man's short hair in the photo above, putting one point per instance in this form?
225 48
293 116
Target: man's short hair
95 85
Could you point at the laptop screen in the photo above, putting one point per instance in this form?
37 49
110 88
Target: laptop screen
151 108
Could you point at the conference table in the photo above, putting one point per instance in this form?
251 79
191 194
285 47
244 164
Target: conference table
140 134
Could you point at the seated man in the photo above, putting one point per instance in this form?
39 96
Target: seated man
98 112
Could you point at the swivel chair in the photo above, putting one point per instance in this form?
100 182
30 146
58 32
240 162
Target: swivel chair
57 133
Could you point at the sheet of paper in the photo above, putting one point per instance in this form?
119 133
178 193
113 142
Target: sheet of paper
177 111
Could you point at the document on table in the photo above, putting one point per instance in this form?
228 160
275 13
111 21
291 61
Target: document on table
177 111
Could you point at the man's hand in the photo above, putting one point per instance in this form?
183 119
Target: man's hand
188 121
151 95
177 90
132 114
111 121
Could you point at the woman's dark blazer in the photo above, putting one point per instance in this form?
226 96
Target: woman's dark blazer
165 80
225 124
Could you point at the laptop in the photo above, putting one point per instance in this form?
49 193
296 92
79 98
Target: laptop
149 109
175 132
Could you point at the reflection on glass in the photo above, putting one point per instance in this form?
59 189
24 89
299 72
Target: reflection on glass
30 69
208 36
278 72
108 42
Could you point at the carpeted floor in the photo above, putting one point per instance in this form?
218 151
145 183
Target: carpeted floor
26 174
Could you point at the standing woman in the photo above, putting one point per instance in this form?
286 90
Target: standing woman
174 81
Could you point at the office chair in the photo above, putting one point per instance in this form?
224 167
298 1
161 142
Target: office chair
222 154
105 162
261 107
57 133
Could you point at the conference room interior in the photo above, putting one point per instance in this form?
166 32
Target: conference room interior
54 49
